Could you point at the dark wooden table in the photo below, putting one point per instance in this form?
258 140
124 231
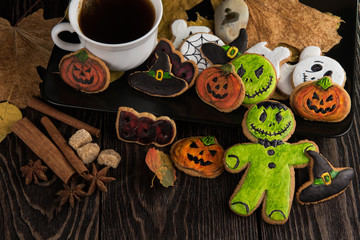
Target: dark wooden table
193 209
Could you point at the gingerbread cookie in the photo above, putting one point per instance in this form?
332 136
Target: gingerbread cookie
181 31
198 156
258 75
220 87
216 54
269 162
326 182
144 128
84 72
321 100
180 68
158 81
191 46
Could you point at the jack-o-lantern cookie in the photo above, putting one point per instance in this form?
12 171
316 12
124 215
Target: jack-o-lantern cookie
180 68
322 100
158 81
191 46
144 128
220 87
198 156
84 72
269 162
258 75
216 54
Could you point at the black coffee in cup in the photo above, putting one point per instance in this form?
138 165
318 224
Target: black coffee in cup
116 21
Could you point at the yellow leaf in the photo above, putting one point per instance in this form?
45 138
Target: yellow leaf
161 165
9 114
23 48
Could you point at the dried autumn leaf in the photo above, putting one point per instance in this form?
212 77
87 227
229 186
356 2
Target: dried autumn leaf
201 21
9 114
188 4
172 11
23 48
161 165
292 23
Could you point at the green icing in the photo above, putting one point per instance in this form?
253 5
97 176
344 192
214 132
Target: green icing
258 75
82 56
270 122
207 141
166 74
325 83
268 176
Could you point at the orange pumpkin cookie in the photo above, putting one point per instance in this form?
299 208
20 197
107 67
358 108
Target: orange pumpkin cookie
220 87
84 72
198 156
322 100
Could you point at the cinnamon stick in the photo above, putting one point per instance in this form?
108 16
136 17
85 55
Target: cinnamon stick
43 148
63 117
65 148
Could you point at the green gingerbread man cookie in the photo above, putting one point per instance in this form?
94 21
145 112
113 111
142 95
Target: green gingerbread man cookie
258 75
269 162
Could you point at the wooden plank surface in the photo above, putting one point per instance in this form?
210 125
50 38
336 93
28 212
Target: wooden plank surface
193 209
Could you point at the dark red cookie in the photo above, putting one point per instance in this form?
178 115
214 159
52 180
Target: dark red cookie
144 128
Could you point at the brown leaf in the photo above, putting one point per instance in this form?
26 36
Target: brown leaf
292 23
23 48
161 165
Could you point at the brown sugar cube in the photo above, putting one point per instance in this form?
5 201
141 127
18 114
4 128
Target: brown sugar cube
80 138
109 158
88 152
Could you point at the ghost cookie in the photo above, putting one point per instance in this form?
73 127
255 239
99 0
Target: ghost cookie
312 66
158 81
321 100
144 128
191 46
186 70
230 16
326 182
220 87
258 75
181 31
268 162
198 156
216 54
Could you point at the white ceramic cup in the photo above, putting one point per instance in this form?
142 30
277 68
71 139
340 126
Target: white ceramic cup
118 57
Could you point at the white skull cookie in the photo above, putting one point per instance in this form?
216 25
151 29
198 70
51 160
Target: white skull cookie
312 66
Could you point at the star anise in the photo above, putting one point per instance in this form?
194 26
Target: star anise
98 178
70 193
33 171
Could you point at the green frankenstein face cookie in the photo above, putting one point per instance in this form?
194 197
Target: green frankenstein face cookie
269 163
258 75
270 120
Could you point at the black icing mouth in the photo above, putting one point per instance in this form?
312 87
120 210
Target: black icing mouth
319 110
83 81
264 89
215 95
259 130
200 161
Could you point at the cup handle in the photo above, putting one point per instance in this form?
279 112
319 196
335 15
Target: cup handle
62 27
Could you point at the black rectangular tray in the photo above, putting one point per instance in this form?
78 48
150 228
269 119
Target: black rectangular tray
188 106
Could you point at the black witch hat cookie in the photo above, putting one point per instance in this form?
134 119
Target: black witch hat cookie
216 54
326 182
158 81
